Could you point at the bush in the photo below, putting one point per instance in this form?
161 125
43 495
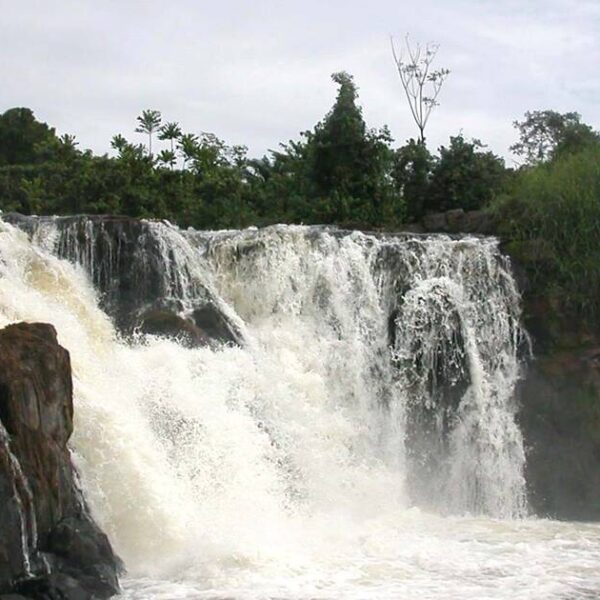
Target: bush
553 215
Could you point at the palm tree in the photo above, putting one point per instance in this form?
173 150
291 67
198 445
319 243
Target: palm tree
119 143
188 146
149 122
167 158
68 141
170 131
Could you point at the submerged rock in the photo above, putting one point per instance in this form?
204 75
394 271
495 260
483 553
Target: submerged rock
50 547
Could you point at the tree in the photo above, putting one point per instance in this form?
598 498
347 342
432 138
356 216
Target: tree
188 146
421 84
347 161
148 122
465 176
544 134
119 143
168 158
411 174
171 132
21 135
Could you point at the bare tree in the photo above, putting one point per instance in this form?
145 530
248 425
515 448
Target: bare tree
421 83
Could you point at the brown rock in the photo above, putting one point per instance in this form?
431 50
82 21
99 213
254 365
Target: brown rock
38 495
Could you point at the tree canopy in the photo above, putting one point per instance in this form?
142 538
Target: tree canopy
340 172
22 137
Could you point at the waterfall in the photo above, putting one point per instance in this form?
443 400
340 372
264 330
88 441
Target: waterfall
363 374
22 499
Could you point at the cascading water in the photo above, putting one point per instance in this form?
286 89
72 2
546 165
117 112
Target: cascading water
358 442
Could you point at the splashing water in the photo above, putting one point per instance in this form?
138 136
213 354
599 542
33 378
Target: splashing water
360 443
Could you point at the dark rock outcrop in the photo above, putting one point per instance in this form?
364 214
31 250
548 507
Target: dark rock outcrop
50 547
560 420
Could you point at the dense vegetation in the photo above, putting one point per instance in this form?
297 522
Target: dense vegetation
339 172
552 215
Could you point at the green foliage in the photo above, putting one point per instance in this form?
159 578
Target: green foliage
21 137
348 164
411 173
340 172
465 176
171 132
553 212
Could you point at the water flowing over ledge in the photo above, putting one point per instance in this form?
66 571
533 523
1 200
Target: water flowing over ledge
337 388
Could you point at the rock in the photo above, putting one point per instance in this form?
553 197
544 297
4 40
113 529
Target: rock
559 399
458 221
56 586
560 421
144 272
206 326
212 321
479 221
413 228
44 522
167 324
85 553
435 222
455 220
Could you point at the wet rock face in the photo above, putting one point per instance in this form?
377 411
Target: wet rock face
49 541
559 399
141 271
560 420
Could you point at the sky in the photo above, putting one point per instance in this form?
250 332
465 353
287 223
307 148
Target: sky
258 72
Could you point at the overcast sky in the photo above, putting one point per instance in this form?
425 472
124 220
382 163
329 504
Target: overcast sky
258 72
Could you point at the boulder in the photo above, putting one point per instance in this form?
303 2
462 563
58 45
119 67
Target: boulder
56 586
455 220
49 541
165 323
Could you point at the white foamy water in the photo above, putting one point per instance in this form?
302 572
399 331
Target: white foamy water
360 444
